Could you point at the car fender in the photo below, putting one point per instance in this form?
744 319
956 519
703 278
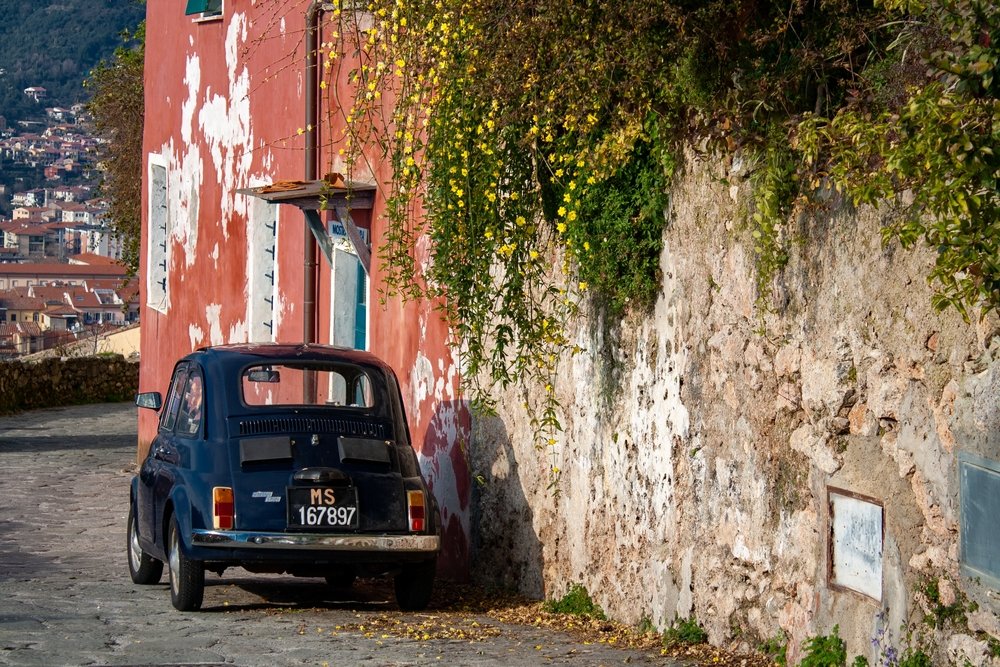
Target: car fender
179 506
146 540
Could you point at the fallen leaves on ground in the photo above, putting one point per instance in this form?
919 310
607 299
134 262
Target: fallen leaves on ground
465 613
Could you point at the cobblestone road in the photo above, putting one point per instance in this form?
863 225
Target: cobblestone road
66 597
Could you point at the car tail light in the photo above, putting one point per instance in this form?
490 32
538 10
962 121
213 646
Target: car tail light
415 504
223 509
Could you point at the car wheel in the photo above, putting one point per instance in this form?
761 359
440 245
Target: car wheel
341 579
144 568
187 577
414 585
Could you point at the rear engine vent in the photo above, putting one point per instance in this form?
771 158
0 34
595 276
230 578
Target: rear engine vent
350 427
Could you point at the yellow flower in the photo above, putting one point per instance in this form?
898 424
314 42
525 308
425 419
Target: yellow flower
561 211
533 254
561 227
519 220
571 216
583 285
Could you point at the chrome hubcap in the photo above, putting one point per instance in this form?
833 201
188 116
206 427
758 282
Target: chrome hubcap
175 561
135 551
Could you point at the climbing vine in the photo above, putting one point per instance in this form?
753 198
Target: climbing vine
932 153
532 144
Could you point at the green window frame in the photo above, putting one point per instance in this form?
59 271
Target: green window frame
204 8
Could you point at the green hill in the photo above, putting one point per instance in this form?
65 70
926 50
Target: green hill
54 44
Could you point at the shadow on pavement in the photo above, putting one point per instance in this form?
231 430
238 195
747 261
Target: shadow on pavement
244 593
48 443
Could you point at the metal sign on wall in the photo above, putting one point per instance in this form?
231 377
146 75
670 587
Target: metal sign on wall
979 494
856 540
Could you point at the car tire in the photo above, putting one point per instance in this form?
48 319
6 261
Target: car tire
143 568
187 577
414 585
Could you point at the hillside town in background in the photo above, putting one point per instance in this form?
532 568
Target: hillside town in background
60 278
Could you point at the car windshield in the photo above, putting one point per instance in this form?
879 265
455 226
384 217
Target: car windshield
341 385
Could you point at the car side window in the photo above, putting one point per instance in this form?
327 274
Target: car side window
169 416
192 403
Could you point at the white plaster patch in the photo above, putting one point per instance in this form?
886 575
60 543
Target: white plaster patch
239 332
192 78
421 383
196 335
184 179
212 314
227 128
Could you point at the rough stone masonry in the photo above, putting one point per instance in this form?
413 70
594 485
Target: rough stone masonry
705 444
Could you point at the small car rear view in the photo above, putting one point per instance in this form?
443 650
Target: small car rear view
285 459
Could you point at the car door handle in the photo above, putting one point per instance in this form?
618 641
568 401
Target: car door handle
162 454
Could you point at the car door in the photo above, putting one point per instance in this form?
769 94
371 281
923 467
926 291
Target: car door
156 474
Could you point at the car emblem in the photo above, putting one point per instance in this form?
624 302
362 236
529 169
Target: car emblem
315 440
268 496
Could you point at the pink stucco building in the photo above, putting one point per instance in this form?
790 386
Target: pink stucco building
226 95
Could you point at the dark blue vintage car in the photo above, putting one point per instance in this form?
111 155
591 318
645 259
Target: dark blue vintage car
282 458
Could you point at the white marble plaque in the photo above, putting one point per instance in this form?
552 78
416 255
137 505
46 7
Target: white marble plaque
857 544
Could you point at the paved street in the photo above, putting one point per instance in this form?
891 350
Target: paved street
66 597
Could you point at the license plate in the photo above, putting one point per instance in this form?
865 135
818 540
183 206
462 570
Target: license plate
320 508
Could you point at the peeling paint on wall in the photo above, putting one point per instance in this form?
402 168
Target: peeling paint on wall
196 336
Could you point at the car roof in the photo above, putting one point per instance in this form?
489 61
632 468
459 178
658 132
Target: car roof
243 353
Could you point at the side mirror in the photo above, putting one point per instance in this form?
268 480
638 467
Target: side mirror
149 399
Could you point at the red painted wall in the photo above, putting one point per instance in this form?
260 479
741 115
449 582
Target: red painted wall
224 103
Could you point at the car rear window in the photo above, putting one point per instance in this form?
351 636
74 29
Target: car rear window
340 385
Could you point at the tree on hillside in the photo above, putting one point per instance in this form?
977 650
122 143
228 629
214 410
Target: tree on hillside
117 107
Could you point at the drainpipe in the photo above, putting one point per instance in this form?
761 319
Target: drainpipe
309 306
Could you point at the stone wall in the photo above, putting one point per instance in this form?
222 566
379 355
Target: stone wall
73 380
701 442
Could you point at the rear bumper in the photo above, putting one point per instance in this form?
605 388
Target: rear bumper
389 544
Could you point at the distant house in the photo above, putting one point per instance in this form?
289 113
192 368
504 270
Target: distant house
17 338
59 114
22 308
32 214
42 316
31 239
29 198
74 212
37 93
69 193
21 275
60 317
